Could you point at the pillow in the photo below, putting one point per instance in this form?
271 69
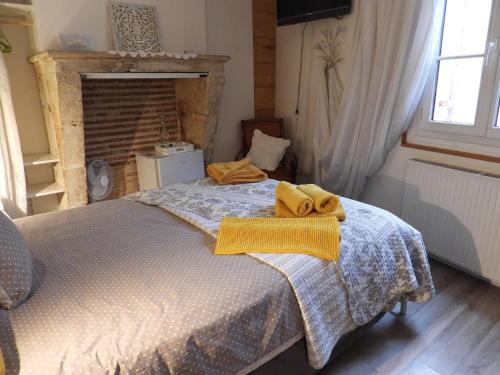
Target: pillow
15 265
266 151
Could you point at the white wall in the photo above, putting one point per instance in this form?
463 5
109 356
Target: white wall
385 189
219 26
288 39
24 91
182 22
229 32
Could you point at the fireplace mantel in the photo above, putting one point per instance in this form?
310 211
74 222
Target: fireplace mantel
59 81
203 61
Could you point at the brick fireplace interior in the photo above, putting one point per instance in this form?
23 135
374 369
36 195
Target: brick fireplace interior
125 116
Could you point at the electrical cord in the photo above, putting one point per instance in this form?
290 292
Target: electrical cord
300 68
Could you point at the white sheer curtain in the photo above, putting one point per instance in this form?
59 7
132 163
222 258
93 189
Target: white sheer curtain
393 49
12 180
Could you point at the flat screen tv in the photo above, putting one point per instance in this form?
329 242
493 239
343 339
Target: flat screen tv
298 11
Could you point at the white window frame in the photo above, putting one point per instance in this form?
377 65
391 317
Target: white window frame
481 137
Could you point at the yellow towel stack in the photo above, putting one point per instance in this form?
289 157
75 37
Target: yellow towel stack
306 201
312 236
235 172
307 223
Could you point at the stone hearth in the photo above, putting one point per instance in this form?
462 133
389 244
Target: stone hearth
60 85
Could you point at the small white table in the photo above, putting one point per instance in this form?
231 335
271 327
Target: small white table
155 171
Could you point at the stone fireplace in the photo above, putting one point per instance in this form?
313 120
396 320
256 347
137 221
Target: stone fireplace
90 118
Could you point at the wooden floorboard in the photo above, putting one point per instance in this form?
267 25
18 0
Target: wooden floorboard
457 332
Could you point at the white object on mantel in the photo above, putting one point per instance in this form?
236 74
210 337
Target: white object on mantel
175 55
167 149
155 171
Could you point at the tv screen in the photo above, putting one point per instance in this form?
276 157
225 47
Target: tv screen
297 11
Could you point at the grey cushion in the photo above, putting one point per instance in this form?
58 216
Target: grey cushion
15 265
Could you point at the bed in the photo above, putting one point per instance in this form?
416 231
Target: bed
132 288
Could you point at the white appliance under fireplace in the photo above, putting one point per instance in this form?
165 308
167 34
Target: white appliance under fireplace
155 171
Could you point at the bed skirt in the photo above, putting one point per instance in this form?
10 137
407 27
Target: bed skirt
294 361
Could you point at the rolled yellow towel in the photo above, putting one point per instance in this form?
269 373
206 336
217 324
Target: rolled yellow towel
298 203
283 211
2 364
318 237
235 172
324 201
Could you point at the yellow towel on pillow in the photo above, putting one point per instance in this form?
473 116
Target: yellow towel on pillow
324 201
235 172
318 236
283 211
298 203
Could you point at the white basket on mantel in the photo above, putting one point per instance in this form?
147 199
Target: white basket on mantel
167 149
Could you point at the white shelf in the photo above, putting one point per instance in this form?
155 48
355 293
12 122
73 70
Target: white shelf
43 189
16 8
39 159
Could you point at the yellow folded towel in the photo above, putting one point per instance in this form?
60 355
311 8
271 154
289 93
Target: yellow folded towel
298 203
318 236
324 201
2 364
294 202
235 172
283 211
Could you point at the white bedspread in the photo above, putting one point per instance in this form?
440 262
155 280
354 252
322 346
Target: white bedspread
382 258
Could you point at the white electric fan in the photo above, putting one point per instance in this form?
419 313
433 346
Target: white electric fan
99 180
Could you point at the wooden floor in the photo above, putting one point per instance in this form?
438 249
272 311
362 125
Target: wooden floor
457 332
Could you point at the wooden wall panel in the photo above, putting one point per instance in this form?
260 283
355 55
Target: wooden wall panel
122 117
264 75
264 24
264 6
264 100
264 48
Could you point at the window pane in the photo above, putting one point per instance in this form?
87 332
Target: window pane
498 116
458 90
465 27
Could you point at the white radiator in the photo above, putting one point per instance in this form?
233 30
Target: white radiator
458 214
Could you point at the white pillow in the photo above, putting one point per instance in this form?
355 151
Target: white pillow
266 151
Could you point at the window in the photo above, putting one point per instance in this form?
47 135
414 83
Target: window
460 63
461 102
497 125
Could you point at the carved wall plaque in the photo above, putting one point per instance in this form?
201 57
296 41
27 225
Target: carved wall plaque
135 27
